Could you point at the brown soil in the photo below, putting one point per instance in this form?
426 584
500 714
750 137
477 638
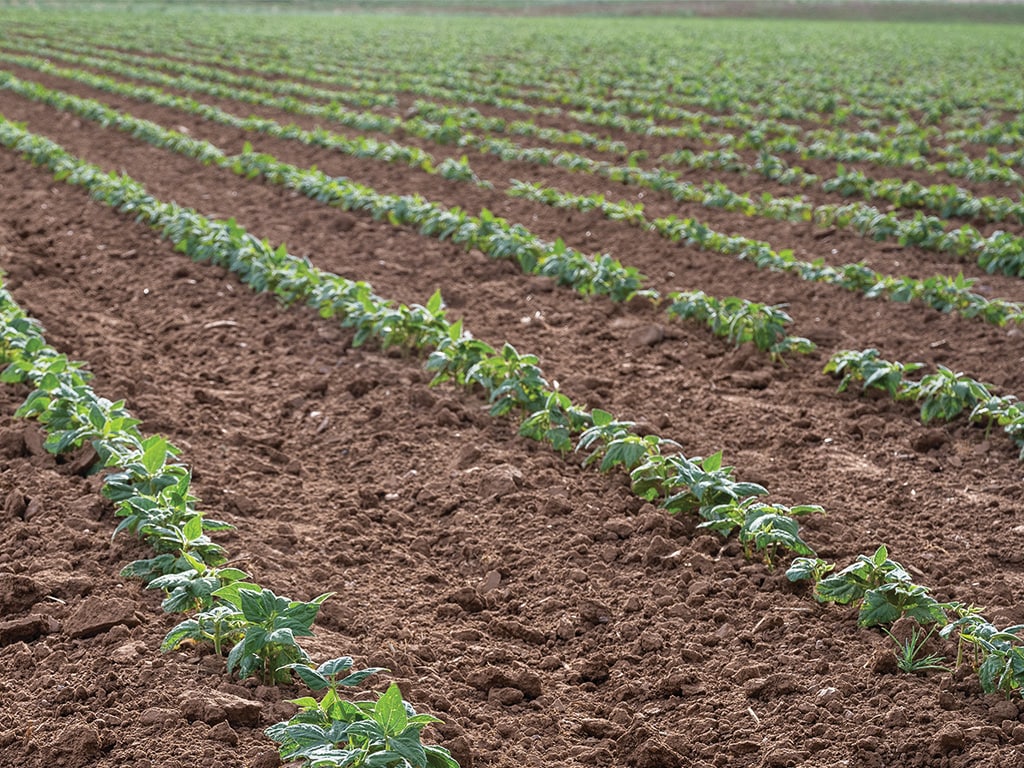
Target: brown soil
546 614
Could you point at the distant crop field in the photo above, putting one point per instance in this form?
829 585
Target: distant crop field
432 391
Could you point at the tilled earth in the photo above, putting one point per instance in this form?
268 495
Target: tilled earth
544 612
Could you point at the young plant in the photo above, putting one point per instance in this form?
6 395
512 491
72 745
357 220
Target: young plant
615 444
881 588
945 395
556 423
997 654
362 734
192 589
867 367
908 653
689 485
260 626
761 527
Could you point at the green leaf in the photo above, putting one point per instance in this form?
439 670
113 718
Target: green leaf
155 455
186 630
838 589
439 757
389 712
309 676
712 463
231 593
876 610
193 529
601 418
880 556
408 745
435 303
357 677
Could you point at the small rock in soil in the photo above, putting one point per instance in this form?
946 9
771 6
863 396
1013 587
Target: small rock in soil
752 380
15 505
12 443
651 640
24 629
159 716
505 696
648 336
1002 709
950 738
930 440
486 679
468 599
223 733
500 481
17 593
96 615
658 551
215 706
269 758
599 728
76 747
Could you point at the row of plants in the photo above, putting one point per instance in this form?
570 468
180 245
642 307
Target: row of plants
941 292
741 321
374 89
259 630
883 591
359 146
598 275
942 395
999 252
901 136
513 382
738 319
267 95
691 80
449 125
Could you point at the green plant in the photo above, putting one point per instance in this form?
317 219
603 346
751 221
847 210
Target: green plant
689 485
867 367
261 627
740 321
556 423
373 734
908 652
766 528
945 395
881 588
997 654
614 442
193 587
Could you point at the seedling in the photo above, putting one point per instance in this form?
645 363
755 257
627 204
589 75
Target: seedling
908 653
382 734
761 527
881 587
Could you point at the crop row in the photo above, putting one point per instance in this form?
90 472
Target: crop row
151 491
449 125
659 79
514 383
738 319
1000 252
651 103
942 395
903 138
940 292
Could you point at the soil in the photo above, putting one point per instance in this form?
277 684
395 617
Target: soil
544 612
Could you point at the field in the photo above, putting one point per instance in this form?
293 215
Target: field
641 391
